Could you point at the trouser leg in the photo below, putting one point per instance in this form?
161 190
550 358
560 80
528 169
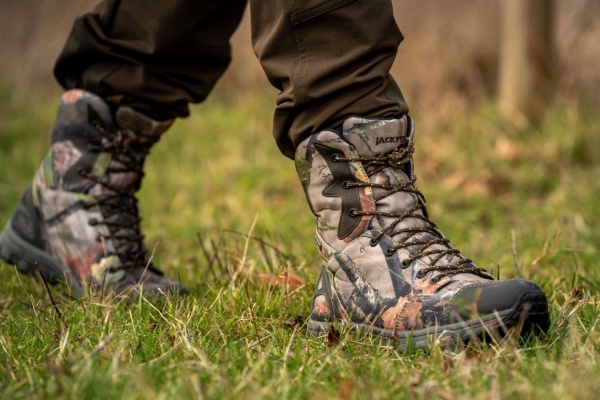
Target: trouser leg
155 56
330 59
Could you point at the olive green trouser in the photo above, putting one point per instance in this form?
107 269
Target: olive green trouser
329 59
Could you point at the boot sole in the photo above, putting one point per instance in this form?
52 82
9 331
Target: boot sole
530 314
31 260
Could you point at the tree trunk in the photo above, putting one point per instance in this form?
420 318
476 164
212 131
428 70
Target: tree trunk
528 62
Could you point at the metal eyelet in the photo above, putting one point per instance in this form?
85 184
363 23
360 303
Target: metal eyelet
420 274
405 264
390 252
93 221
335 157
352 212
435 280
345 185
373 242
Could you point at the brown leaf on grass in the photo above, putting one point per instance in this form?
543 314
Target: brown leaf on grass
333 336
485 185
508 149
287 279
345 389
447 363
464 182
499 184
416 381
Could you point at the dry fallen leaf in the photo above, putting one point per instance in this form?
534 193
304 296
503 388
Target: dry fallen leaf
508 149
287 279
345 389
464 182
333 337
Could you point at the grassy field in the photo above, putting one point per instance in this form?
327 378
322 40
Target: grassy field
222 209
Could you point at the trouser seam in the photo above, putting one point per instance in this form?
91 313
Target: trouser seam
297 86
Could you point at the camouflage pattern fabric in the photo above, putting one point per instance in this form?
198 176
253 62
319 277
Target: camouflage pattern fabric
388 268
79 219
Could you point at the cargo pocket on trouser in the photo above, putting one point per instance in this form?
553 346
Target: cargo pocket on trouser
303 10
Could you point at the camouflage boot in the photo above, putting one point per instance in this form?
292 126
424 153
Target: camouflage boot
388 270
78 221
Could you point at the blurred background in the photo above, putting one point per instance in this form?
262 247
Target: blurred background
450 60
505 94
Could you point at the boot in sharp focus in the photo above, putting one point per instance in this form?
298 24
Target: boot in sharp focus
388 269
78 221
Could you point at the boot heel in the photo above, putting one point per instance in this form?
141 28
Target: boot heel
16 251
9 250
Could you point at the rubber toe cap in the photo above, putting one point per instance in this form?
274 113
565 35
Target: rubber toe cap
497 297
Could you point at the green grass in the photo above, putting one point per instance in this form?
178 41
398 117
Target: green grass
526 199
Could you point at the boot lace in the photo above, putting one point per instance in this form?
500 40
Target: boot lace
396 159
120 207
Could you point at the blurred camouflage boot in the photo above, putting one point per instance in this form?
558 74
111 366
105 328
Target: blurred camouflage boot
78 222
388 270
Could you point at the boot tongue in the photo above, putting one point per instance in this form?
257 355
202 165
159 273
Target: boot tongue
374 137
136 135
377 138
140 126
